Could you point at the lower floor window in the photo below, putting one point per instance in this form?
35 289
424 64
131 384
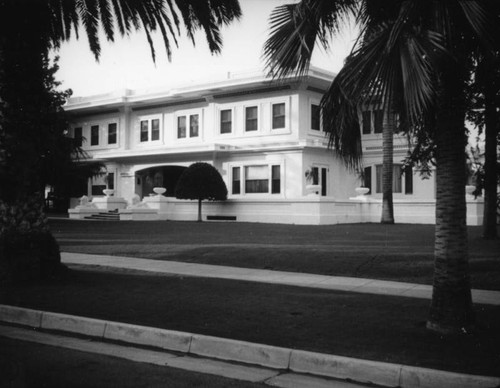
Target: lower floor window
320 178
256 179
399 175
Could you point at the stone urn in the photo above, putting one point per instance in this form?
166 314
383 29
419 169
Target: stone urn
159 190
361 190
313 189
469 189
108 192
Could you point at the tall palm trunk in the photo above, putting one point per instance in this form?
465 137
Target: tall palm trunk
451 305
387 171
490 154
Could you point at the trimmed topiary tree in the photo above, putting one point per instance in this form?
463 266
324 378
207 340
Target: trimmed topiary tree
201 181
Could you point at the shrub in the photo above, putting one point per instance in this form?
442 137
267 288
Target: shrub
201 181
28 251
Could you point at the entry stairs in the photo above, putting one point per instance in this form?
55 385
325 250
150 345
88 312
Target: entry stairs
110 215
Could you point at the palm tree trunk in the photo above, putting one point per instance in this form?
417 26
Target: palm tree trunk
490 157
387 172
451 305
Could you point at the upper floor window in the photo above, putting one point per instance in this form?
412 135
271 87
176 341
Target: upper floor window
251 118
194 126
78 136
278 116
94 135
150 130
226 121
373 121
112 133
315 117
181 127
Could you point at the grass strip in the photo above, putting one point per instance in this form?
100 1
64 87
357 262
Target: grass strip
382 328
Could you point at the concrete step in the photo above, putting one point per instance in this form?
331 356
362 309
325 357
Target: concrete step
111 215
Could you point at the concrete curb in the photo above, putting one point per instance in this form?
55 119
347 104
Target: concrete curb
316 364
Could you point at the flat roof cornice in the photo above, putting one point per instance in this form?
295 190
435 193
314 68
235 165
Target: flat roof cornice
316 80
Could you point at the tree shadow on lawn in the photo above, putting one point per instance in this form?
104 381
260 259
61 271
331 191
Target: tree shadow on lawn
383 328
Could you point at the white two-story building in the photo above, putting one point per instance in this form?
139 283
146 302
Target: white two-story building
262 136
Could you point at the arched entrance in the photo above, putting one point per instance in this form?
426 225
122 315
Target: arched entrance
158 176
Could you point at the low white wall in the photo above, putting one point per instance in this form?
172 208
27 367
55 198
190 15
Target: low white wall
314 211
310 210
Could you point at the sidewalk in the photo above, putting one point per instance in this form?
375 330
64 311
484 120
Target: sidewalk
338 283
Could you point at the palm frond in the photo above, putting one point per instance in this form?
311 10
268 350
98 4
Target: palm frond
148 15
339 114
295 29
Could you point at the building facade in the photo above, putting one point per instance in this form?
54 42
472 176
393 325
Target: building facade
264 137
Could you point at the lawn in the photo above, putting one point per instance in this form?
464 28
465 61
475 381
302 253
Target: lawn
400 252
384 328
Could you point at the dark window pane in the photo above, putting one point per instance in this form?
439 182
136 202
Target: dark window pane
94 135
379 175
278 116
155 129
315 172
193 126
323 181
257 186
397 179
144 130
225 121
236 180
367 181
97 190
112 133
111 180
78 136
257 179
251 119
379 120
181 127
408 180
367 122
276 180
315 115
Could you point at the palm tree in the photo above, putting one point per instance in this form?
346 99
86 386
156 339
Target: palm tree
387 171
28 30
413 55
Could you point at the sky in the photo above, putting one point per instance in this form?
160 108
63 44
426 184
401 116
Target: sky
127 63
